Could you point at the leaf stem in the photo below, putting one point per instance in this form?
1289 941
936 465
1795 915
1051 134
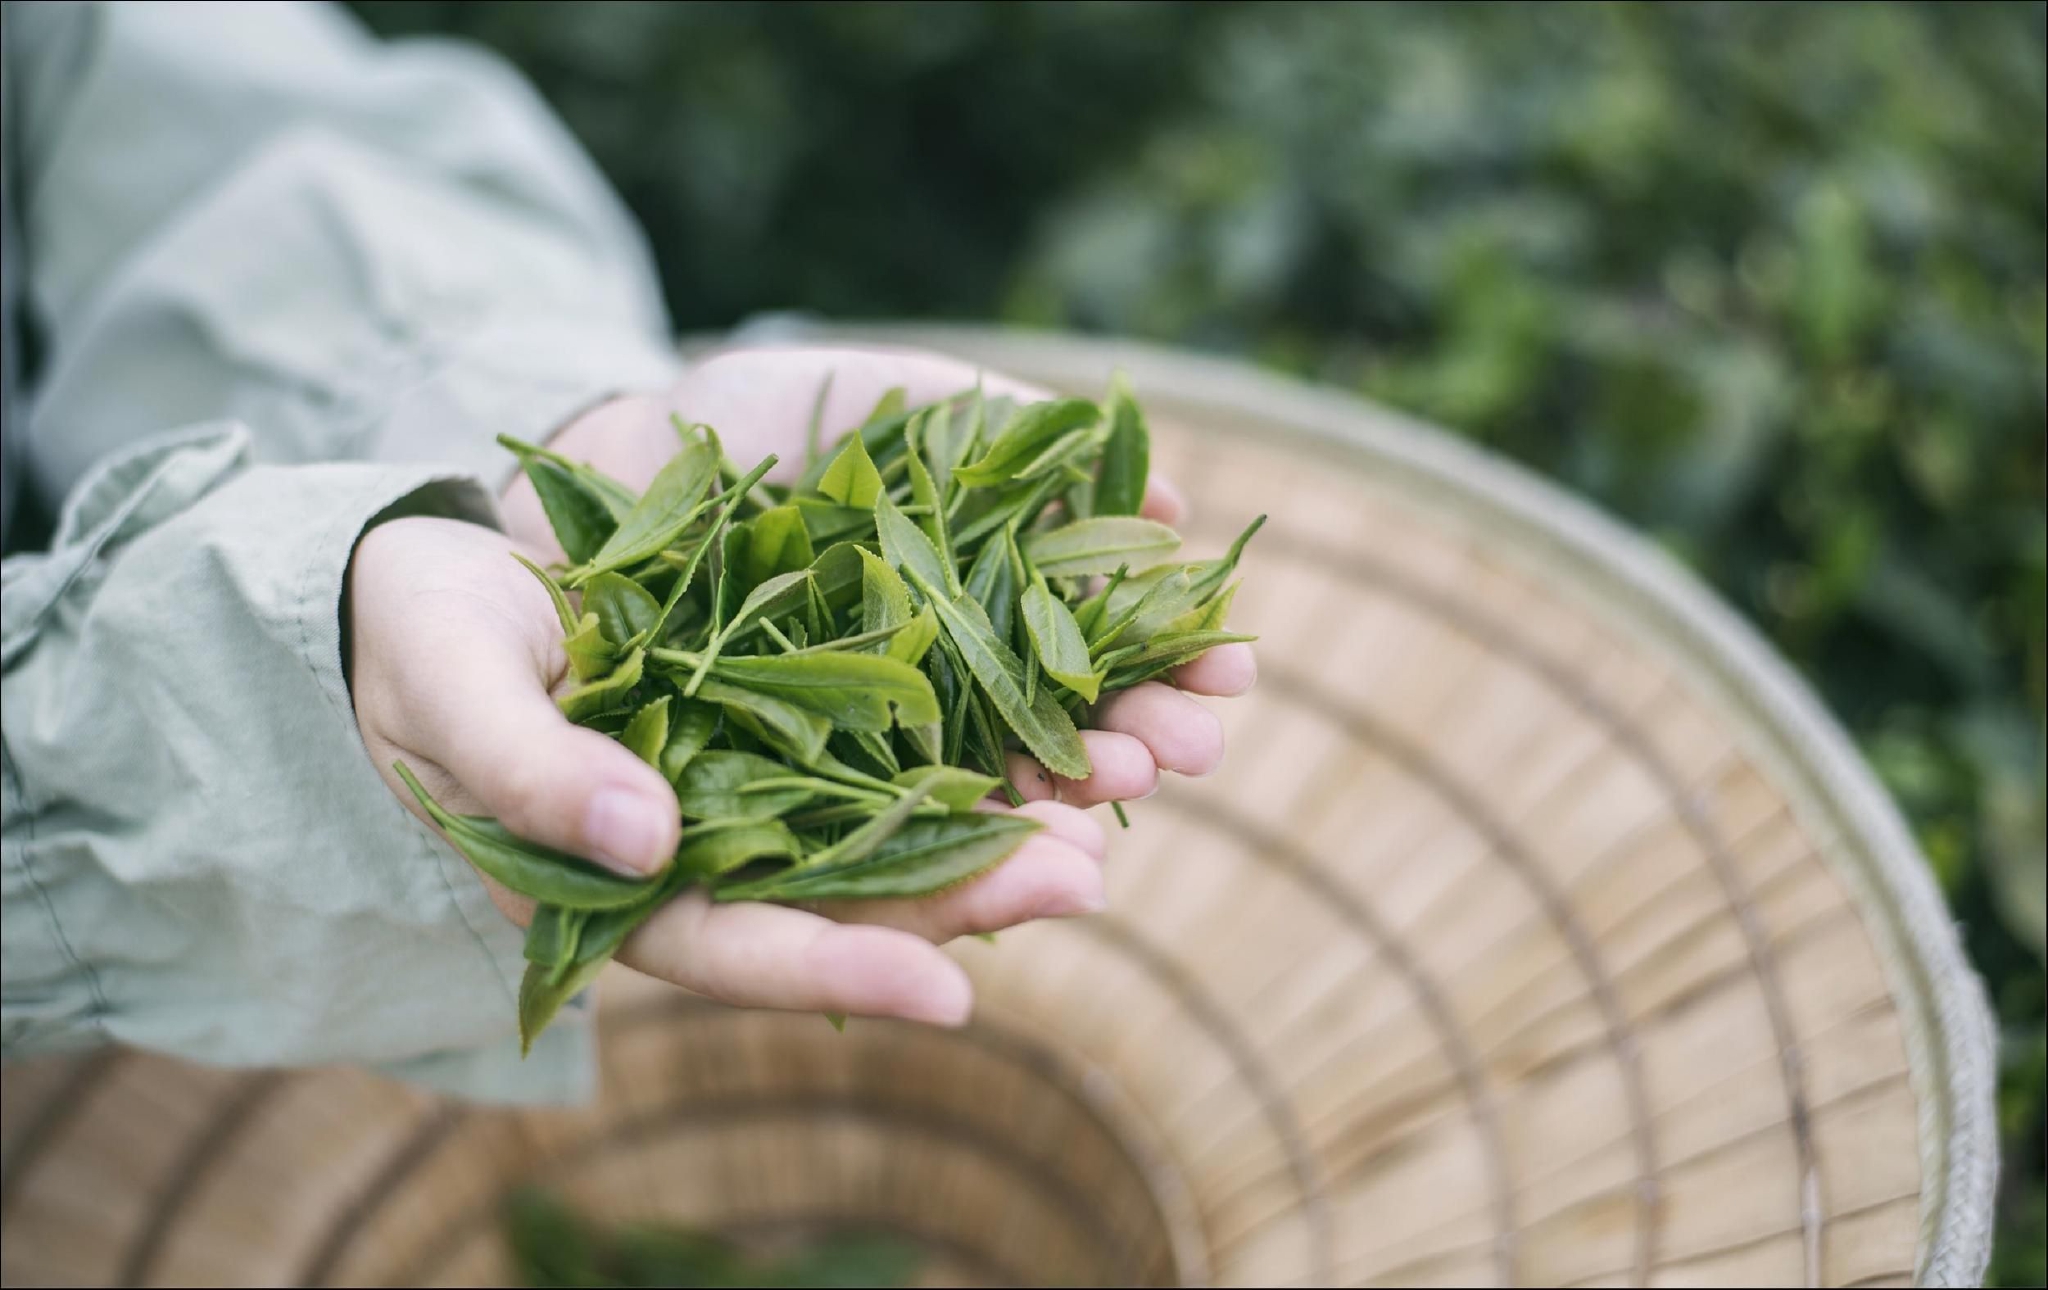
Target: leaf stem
788 646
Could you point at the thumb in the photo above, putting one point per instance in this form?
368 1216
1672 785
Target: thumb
548 780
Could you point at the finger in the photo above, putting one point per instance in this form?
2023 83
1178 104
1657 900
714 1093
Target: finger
1123 769
1223 672
861 375
1069 824
1163 501
1032 781
1046 877
766 956
764 398
485 717
1181 734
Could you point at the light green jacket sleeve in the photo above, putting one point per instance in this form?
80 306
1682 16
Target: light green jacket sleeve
341 267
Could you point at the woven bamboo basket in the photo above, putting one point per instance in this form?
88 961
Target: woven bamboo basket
1540 930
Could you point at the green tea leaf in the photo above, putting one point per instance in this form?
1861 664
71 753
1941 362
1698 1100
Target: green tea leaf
1034 429
1079 499
616 498
720 846
551 936
540 997
1069 447
1056 639
955 787
905 546
884 599
686 569
922 857
777 542
578 515
1206 617
850 851
1217 612
728 581
647 734
793 731
851 479
600 935
1126 457
676 497
925 493
1205 580
855 691
887 408
985 416
910 644
838 575
1089 547
780 595
590 654
1092 614
625 610
1163 653
1214 573
742 488
881 434
935 445
952 683
691 725
565 615
859 641
719 785
1013 508
827 522
547 875
1143 606
985 740
595 696
833 768
879 751
992 582
1043 725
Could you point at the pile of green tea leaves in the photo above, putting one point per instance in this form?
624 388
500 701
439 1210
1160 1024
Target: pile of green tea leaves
830 673
552 1245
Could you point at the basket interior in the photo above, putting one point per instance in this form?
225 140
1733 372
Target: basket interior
1503 951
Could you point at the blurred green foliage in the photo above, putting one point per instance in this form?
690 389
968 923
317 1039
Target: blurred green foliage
553 1245
1768 281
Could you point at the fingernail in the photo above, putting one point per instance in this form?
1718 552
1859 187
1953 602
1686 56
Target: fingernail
626 831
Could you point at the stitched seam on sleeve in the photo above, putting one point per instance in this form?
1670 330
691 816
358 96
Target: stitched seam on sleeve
97 1018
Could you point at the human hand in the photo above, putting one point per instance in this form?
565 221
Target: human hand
456 652
760 400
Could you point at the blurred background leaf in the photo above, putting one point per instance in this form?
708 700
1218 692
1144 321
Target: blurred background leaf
1768 281
553 1244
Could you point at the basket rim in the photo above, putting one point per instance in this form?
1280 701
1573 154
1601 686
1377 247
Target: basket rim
1949 1037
